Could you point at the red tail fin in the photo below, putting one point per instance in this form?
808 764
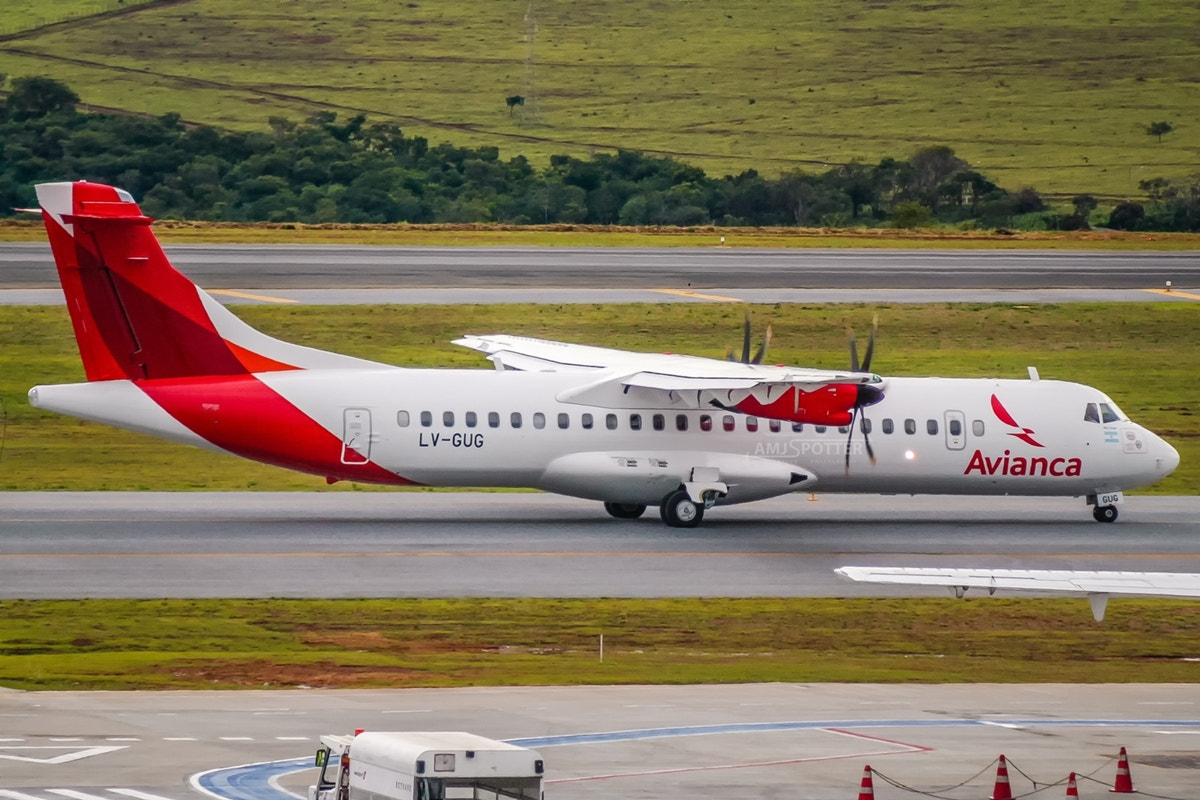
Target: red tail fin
135 316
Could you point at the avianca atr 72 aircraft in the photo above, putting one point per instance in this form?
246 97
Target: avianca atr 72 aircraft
629 429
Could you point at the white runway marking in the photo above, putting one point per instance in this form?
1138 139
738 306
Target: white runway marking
138 795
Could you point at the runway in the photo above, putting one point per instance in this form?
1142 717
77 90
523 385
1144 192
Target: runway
785 740
450 544
287 267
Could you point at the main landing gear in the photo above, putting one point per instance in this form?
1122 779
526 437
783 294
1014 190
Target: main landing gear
1104 513
624 510
678 510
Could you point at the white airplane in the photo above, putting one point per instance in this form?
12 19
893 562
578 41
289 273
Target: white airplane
629 429
1096 586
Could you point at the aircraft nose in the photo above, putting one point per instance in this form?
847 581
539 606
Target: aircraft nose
1169 458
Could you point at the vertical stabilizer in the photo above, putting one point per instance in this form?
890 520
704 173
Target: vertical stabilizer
135 316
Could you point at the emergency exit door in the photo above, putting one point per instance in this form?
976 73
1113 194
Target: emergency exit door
356 436
956 431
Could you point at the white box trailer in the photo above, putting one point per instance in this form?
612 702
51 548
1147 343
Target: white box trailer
428 765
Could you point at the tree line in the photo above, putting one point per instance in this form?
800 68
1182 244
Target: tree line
327 170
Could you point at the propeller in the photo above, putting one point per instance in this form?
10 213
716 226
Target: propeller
867 394
759 354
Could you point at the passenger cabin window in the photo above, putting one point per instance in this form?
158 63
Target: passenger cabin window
1108 413
727 422
539 420
681 422
493 419
705 422
658 422
564 421
888 426
910 426
585 422
751 424
955 427
610 422
426 419
820 428
864 424
931 427
1091 413
775 425
977 427
448 419
515 419
635 422
843 429
402 419
797 427
471 419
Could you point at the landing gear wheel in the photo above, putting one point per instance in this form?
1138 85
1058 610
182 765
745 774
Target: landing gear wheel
1104 513
680 511
624 510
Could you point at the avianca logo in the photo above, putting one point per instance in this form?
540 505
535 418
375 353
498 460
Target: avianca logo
1025 435
1008 464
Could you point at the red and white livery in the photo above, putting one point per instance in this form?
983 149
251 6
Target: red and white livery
629 429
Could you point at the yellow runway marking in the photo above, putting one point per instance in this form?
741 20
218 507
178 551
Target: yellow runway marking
245 296
1174 293
684 293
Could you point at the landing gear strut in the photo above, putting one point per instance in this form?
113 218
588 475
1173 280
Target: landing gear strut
624 510
1104 513
680 511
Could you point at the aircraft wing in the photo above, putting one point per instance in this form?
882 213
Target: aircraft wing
662 371
1096 586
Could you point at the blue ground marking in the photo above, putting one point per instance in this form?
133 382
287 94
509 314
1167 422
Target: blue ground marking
769 727
252 781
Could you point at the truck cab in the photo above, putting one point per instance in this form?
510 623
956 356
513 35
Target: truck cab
432 765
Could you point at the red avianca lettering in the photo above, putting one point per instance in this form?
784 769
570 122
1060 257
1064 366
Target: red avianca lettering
1008 464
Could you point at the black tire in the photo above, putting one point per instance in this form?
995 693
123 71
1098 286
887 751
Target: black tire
680 511
624 510
1104 513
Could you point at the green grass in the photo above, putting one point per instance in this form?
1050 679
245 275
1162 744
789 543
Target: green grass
1054 95
1143 355
173 232
139 644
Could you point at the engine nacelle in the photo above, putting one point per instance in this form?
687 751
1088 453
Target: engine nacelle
830 405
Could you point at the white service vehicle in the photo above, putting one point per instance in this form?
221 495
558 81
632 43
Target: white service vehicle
436 765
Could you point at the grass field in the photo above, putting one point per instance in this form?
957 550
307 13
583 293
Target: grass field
1143 355
160 644
175 232
1054 95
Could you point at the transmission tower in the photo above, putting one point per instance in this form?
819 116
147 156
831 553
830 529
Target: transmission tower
531 112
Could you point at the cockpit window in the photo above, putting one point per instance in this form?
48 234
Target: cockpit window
1109 413
1091 414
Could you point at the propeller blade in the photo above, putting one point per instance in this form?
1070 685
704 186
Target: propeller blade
866 365
746 340
850 438
853 349
762 348
867 440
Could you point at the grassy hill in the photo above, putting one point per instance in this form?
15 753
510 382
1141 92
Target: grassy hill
1054 94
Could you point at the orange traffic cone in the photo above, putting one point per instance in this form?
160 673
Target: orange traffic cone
1124 782
867 790
1072 789
1002 791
